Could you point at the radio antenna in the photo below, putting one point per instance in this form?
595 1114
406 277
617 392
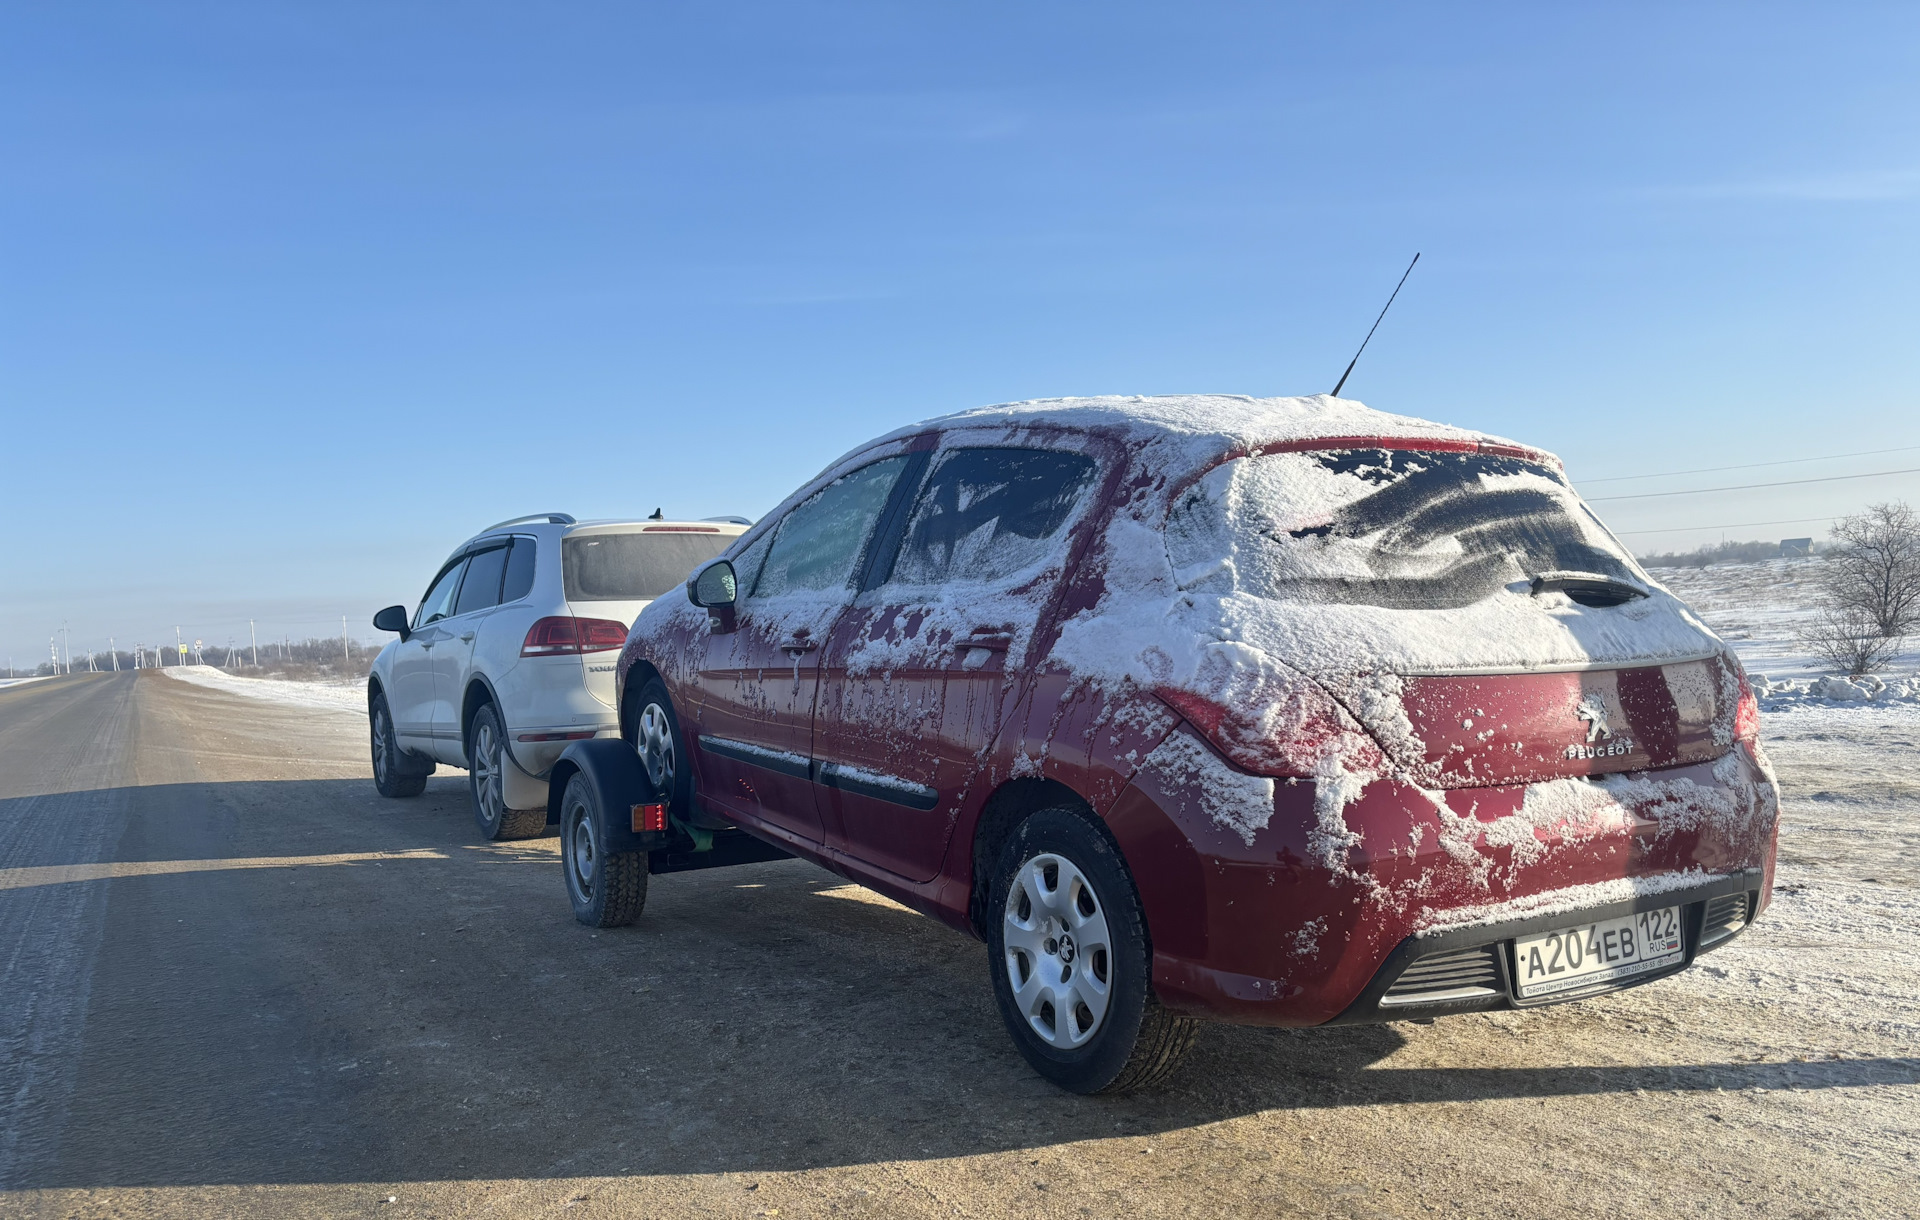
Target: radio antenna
1374 327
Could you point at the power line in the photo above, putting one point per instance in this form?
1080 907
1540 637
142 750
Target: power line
1740 525
1831 457
1698 491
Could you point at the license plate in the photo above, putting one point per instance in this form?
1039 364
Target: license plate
1573 959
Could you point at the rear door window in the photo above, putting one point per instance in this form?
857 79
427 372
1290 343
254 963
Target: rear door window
438 603
633 567
481 588
818 544
988 514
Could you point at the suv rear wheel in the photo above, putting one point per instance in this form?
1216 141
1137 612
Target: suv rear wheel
486 777
1071 963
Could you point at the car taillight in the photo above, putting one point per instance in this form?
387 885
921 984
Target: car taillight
1288 730
1746 713
563 634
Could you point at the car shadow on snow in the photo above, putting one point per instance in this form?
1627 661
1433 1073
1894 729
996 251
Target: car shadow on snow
297 981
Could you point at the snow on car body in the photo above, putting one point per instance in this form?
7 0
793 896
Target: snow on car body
1369 706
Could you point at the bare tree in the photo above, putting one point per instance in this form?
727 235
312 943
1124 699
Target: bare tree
1848 640
1869 600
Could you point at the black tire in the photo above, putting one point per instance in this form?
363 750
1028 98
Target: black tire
607 891
1134 1042
486 776
395 772
678 783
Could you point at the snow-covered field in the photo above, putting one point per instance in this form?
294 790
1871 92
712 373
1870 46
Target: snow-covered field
342 697
6 682
1834 965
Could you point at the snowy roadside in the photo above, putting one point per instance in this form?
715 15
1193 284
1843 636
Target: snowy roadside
6 682
278 690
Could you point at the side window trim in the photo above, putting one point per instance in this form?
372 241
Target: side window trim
876 565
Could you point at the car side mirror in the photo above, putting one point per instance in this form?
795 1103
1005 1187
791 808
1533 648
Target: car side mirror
393 618
715 588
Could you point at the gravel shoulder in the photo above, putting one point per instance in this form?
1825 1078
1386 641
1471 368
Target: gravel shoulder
234 981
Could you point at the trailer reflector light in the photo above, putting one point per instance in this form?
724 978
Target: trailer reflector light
649 817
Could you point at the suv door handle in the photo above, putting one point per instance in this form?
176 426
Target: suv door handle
466 637
799 644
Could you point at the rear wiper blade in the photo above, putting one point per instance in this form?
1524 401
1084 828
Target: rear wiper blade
1588 588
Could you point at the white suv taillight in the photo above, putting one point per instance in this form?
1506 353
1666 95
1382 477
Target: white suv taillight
562 634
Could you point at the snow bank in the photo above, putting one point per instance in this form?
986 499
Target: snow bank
278 690
1835 691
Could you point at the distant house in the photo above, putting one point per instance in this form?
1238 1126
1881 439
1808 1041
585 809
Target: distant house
1796 548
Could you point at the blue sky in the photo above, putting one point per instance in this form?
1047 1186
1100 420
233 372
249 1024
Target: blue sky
293 298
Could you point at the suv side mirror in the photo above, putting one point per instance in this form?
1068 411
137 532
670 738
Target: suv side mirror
393 618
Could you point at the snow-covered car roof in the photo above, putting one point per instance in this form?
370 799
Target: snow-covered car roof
1190 432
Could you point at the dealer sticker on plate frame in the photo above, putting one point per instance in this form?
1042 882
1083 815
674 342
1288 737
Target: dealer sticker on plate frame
1571 959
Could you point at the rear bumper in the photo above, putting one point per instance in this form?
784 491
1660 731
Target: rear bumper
1306 915
1472 969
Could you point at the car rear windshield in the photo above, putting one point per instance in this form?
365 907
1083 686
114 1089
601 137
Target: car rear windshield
1401 528
633 567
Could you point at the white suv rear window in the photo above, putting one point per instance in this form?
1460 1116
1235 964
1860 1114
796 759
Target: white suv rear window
633 567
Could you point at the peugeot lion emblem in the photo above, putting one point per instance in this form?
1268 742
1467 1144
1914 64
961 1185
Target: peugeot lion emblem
1600 742
1593 710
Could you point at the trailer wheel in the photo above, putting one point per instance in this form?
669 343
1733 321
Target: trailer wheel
607 889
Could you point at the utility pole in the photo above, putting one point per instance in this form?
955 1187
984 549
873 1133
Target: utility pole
345 652
255 637
114 653
179 643
66 646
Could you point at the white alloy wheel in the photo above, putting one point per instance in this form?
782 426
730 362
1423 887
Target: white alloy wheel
381 760
1059 953
656 749
487 767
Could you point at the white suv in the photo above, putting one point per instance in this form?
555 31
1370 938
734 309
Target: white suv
511 654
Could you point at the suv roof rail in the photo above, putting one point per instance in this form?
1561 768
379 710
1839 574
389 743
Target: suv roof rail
550 518
729 520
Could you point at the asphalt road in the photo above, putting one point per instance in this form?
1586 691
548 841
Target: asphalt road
234 981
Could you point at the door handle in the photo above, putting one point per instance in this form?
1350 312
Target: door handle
466 637
992 641
425 646
799 644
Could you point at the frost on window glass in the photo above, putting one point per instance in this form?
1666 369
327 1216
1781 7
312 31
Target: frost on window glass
819 542
1399 528
632 567
987 514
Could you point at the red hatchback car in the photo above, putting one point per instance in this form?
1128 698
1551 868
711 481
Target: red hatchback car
1277 711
